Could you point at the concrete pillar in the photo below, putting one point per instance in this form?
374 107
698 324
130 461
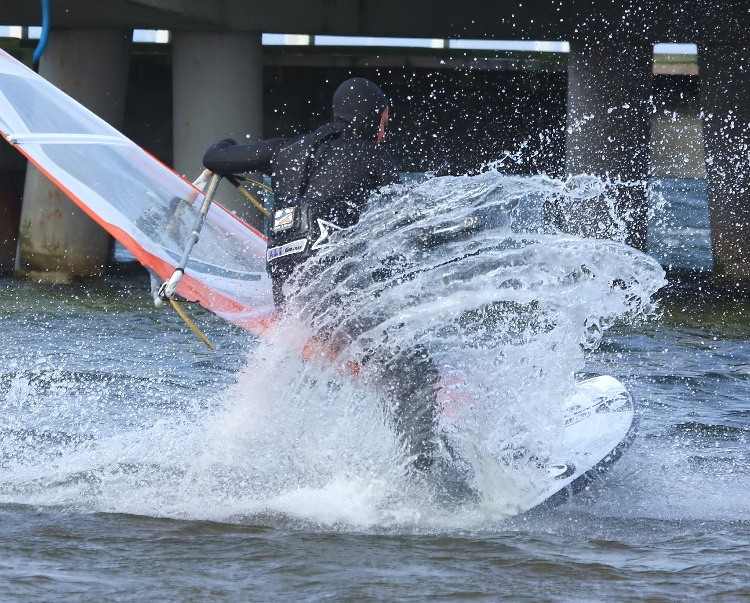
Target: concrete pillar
725 88
12 175
57 241
608 123
218 93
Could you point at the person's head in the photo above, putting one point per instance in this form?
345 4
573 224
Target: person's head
363 105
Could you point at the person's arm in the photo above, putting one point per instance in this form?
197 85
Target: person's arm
228 157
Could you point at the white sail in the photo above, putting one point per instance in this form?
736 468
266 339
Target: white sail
142 203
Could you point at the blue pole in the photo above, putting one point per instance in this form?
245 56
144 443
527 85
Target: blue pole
45 33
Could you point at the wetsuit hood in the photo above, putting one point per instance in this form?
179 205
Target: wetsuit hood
360 103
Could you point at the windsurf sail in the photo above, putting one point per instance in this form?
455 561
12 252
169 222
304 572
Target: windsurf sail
137 199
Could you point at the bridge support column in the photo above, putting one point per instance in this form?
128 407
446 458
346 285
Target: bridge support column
608 125
725 87
57 241
12 174
218 93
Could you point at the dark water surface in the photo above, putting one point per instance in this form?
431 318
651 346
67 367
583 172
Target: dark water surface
670 522
101 395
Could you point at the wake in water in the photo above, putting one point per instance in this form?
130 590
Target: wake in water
462 270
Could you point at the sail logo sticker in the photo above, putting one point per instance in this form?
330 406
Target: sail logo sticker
283 219
288 249
325 234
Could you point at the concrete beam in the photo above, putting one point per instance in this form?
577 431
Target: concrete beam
668 20
725 86
608 125
117 14
58 242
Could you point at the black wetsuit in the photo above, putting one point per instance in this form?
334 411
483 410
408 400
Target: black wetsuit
328 175
324 179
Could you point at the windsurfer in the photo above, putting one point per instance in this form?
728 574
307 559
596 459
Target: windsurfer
322 182
325 176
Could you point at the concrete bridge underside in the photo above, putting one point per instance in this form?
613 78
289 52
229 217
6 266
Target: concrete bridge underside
699 21
217 43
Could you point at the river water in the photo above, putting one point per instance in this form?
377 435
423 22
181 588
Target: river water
135 465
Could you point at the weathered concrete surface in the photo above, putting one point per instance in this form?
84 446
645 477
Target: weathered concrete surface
57 241
725 87
677 149
217 93
608 132
666 20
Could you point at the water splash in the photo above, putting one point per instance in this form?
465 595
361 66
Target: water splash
506 309
464 269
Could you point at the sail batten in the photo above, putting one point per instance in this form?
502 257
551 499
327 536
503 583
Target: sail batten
53 138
